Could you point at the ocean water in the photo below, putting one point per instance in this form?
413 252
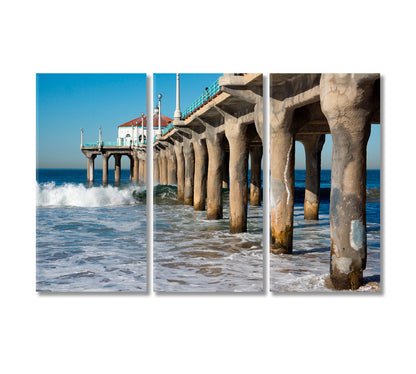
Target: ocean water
307 268
89 238
193 254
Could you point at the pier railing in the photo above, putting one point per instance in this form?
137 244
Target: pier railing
211 91
208 94
111 144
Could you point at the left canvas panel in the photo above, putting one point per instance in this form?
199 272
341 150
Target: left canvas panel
91 183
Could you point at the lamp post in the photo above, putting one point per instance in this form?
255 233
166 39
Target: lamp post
160 111
82 137
100 137
142 142
177 114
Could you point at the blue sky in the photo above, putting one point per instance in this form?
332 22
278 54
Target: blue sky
67 102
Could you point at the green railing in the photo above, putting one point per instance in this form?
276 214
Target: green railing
111 144
208 93
167 128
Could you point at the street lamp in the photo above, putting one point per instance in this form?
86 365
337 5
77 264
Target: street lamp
82 137
142 128
160 111
177 115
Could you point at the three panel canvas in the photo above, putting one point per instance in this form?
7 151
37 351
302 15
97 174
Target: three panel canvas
224 158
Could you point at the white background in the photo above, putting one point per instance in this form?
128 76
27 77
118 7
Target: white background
206 334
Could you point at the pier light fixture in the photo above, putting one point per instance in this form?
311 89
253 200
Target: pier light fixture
142 132
177 115
160 113
82 137
100 138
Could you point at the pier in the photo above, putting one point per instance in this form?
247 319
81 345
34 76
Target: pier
207 147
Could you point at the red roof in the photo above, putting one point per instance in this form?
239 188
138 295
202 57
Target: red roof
164 121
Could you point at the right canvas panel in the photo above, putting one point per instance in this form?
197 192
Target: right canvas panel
324 182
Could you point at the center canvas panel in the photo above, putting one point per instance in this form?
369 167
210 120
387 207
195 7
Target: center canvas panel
207 174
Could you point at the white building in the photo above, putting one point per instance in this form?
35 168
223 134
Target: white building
133 133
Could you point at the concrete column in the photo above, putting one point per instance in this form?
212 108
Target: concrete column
238 141
131 167
141 169
188 153
164 168
200 176
117 169
156 178
135 168
172 179
313 147
180 169
282 181
226 169
215 175
256 153
144 168
90 168
105 156
347 102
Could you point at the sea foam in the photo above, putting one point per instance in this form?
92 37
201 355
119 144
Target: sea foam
70 194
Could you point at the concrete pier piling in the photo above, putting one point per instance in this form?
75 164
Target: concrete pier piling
235 132
347 100
226 170
201 170
105 157
171 164
256 153
117 168
135 168
215 174
188 153
180 167
90 168
282 183
155 167
313 147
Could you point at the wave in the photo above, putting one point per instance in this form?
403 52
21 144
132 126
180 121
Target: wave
163 194
78 195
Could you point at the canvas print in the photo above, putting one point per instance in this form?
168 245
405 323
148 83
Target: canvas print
207 173
324 182
90 190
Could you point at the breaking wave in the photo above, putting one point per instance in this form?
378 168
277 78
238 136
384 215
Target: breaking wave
78 195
